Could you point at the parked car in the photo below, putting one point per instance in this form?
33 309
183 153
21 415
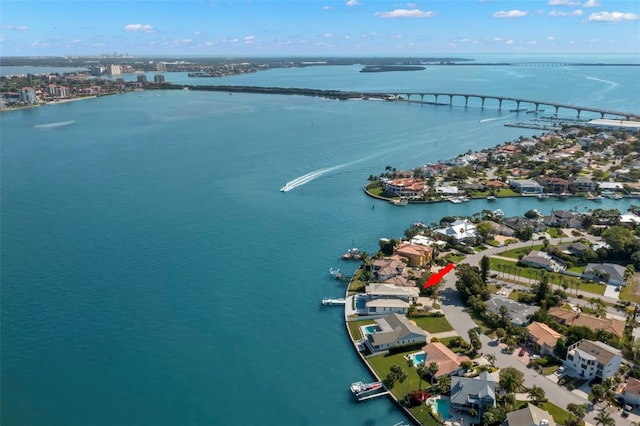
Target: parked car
534 356
521 352
559 371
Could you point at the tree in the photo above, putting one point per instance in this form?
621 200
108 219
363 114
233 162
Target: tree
510 379
492 359
537 395
619 238
485 265
578 410
474 339
500 333
432 369
505 318
604 418
598 392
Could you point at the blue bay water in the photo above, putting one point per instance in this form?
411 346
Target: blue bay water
153 273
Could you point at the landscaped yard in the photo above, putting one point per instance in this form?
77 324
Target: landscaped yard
432 324
519 252
354 327
559 415
631 291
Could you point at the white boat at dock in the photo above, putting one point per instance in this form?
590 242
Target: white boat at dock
491 198
542 196
400 202
360 388
352 253
498 213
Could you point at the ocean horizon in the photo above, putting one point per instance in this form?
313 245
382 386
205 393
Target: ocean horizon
153 273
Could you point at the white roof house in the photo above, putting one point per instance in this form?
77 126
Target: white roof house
460 230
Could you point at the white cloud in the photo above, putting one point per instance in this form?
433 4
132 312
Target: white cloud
510 14
591 3
353 3
326 7
509 42
249 39
328 35
568 3
497 39
395 36
15 27
405 13
412 5
551 38
138 27
612 17
577 12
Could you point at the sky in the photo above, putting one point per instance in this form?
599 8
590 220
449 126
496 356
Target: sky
317 27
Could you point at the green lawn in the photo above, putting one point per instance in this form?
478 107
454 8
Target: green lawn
433 324
354 327
577 269
559 415
519 252
591 288
382 366
555 233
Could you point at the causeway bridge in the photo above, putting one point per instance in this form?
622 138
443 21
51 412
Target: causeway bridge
434 96
418 97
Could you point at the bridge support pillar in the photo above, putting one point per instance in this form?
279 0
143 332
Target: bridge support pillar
466 100
499 104
450 100
482 105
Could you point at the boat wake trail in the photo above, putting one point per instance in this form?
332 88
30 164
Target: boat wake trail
301 180
53 125
493 119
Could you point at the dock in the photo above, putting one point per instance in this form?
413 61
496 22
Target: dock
333 302
375 395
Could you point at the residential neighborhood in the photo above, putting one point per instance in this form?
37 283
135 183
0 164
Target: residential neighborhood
537 325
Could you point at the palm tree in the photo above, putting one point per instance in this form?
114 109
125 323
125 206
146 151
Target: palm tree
510 379
491 358
604 418
578 410
432 369
537 395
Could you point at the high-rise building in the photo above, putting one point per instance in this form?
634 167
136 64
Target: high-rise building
161 66
158 78
27 95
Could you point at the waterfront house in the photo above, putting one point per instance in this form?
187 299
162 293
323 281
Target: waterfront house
583 184
472 393
417 255
518 312
540 259
395 331
630 391
529 416
496 184
543 337
449 363
607 272
383 298
563 219
518 223
384 269
590 359
447 190
526 186
554 185
460 230
579 319
405 187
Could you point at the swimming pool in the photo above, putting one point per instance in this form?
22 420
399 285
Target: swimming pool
442 407
370 329
418 358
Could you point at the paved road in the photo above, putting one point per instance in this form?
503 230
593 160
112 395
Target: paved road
460 320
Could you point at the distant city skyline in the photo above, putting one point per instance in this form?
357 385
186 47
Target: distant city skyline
318 27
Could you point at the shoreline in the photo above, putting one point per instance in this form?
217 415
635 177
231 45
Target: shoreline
390 395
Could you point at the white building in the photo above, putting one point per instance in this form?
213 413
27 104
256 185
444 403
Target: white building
593 359
460 230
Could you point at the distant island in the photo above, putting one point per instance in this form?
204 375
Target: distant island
387 68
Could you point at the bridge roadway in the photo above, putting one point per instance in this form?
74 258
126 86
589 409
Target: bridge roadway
501 99
338 94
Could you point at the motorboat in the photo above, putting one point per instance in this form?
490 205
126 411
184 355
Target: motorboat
360 388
